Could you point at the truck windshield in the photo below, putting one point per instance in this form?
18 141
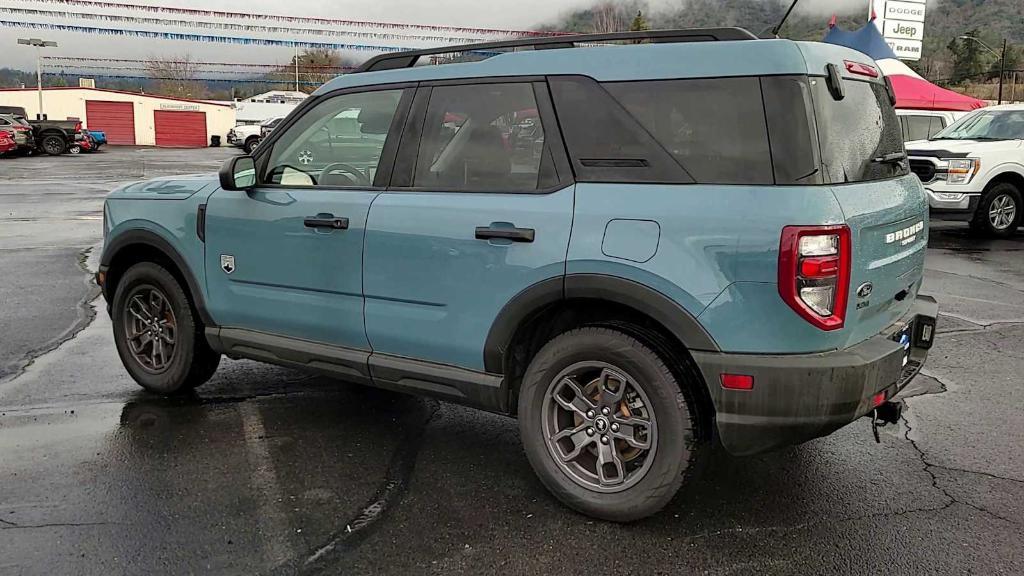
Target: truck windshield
860 136
986 125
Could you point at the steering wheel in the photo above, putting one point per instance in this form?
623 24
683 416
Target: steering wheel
358 178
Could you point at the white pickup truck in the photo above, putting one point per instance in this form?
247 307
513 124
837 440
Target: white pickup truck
248 136
973 170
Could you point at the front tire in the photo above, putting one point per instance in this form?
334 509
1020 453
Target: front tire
251 144
157 335
605 424
999 211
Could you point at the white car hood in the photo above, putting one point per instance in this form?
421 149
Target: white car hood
962 147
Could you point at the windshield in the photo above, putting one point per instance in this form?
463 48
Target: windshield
986 125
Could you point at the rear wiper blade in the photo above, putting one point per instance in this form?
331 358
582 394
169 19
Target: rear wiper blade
891 158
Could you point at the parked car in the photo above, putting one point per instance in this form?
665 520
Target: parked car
7 144
245 136
714 240
974 169
923 124
20 132
267 127
99 138
55 136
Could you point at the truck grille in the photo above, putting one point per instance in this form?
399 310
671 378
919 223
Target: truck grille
924 169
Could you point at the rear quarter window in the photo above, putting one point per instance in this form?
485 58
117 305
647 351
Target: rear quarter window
715 128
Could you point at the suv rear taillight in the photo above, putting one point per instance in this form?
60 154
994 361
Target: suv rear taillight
814 273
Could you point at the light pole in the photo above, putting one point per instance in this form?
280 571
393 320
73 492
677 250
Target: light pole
1002 61
38 43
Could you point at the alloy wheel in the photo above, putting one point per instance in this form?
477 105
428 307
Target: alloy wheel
1002 211
599 426
150 328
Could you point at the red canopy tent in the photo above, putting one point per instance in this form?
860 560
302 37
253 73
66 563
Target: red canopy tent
923 95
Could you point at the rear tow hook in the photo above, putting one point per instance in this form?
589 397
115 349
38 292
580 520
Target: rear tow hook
886 413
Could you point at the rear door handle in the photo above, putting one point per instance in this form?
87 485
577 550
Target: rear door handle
326 221
500 233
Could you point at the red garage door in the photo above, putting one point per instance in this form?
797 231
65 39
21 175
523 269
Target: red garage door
117 119
180 129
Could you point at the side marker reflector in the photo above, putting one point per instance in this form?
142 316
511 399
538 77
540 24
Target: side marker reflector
737 382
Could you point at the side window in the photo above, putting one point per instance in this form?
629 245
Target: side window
936 126
483 137
903 127
715 128
605 143
335 144
918 127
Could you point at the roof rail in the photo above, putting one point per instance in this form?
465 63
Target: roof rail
408 59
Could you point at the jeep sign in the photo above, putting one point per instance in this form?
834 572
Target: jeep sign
901 23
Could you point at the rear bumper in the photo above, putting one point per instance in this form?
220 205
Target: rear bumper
799 397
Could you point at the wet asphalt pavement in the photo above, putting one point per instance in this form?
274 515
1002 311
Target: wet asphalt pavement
270 471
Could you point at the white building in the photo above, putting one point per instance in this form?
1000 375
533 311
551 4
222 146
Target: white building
130 118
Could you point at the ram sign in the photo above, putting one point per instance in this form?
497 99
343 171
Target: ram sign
901 23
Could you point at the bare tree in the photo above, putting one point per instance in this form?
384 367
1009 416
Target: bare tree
316 66
610 17
176 76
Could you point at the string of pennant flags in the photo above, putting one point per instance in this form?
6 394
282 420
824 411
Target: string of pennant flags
197 12
254 28
66 59
73 68
231 80
244 40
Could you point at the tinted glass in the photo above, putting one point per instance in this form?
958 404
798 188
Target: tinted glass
336 143
794 143
715 128
605 143
857 130
918 127
936 126
482 137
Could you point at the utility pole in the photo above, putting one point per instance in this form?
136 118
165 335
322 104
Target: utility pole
296 67
1002 61
1002 71
39 44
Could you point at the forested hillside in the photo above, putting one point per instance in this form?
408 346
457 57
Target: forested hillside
992 20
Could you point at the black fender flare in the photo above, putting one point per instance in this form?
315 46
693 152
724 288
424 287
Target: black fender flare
676 319
141 236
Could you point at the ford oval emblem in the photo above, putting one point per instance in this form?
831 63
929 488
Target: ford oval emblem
864 290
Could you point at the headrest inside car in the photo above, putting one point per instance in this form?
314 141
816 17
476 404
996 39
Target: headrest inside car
374 121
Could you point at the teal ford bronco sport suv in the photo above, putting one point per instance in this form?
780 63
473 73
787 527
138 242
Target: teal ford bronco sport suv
635 249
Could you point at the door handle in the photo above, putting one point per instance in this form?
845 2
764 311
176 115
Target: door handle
326 221
499 233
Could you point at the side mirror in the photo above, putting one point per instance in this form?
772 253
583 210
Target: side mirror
238 173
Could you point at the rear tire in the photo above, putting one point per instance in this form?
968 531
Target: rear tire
54 145
158 336
999 211
592 459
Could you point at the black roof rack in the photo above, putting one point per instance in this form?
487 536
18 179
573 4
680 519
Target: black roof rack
408 59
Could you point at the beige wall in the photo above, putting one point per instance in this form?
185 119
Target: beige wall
61 104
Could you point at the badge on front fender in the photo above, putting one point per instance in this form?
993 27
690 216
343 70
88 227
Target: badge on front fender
227 263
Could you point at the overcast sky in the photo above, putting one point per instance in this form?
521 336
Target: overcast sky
505 14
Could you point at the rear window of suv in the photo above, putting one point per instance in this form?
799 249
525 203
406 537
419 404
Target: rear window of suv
854 131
